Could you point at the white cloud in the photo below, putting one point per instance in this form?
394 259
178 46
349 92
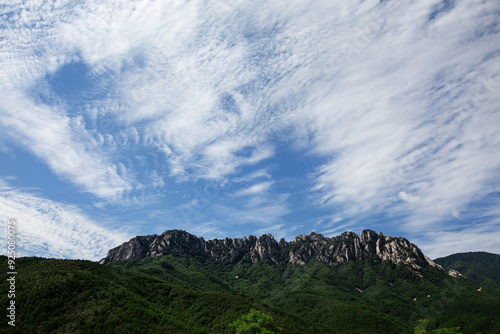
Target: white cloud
335 230
276 231
258 209
50 229
255 189
397 123
409 198
210 230
474 238
33 48
54 138
177 68
398 105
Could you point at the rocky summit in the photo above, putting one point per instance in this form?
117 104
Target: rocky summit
335 250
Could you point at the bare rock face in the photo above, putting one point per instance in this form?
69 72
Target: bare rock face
266 247
304 248
456 274
136 248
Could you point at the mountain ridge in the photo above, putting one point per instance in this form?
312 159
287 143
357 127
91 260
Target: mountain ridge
176 282
302 249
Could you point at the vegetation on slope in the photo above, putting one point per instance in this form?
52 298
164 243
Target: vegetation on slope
371 296
478 266
72 296
189 295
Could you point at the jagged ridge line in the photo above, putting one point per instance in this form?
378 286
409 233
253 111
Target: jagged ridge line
335 250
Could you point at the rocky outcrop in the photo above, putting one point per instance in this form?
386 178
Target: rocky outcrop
304 248
456 274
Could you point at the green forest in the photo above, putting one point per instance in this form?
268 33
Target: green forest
183 294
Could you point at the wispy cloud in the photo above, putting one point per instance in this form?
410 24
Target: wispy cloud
398 100
47 228
483 237
255 189
417 122
56 139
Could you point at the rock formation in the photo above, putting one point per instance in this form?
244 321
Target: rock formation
304 248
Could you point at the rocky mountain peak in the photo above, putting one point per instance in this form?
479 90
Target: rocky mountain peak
302 249
369 236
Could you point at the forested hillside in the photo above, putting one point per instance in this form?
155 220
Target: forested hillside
181 294
482 267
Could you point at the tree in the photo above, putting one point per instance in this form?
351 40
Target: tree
422 325
452 330
255 322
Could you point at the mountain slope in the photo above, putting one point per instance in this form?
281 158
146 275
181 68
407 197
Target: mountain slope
367 284
73 296
482 267
178 283
371 296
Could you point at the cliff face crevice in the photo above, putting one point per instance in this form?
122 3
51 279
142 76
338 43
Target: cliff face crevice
304 248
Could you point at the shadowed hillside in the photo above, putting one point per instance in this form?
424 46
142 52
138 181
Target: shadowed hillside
479 266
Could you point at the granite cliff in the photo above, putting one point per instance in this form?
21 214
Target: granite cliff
304 248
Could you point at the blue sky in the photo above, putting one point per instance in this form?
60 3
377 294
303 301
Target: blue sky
230 118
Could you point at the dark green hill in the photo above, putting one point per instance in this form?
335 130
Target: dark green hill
183 294
370 296
479 266
72 296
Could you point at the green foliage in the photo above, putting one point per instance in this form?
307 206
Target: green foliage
454 330
255 322
189 294
479 266
421 328
69 296
371 296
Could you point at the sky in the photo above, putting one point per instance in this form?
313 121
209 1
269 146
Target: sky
235 118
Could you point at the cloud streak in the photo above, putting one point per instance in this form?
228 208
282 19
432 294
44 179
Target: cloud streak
396 100
413 114
51 229
55 139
